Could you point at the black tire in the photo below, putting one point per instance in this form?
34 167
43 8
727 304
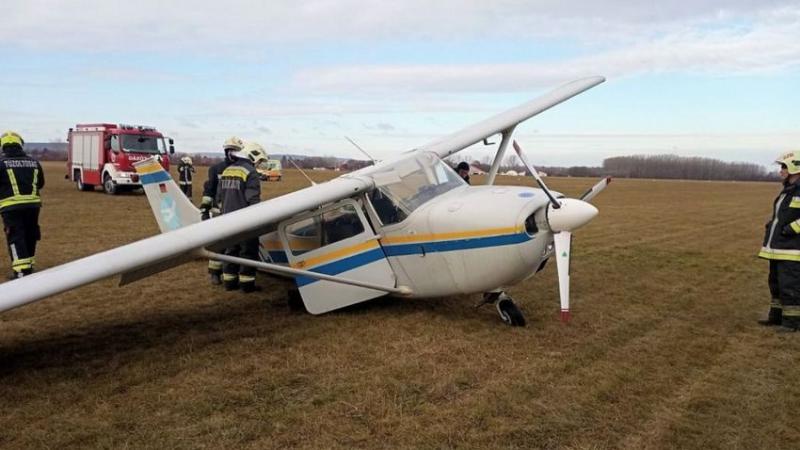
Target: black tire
510 314
295 301
109 186
79 183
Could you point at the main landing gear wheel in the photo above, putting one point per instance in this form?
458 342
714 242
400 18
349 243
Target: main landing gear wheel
295 300
506 307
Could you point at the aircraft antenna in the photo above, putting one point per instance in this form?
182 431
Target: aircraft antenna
361 150
301 171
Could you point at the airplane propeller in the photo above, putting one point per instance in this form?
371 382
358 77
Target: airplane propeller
564 215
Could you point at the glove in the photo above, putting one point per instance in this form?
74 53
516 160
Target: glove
788 231
204 215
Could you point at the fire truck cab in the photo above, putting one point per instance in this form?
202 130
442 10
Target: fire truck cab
103 154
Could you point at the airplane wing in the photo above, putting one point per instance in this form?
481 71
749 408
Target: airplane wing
169 247
473 134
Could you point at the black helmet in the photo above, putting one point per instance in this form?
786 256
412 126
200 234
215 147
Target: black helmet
462 166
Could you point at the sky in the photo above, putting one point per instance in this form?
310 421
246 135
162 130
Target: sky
708 78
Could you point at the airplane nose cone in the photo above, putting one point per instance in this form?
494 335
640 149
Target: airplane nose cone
572 214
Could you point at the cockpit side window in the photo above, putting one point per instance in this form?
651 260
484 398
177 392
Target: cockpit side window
409 184
386 209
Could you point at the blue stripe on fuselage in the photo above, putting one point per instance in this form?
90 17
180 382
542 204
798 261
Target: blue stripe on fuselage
342 265
457 244
156 177
352 262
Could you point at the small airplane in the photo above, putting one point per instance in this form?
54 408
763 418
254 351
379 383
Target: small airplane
408 226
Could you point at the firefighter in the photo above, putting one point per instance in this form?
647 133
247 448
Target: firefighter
782 248
209 205
21 179
240 187
185 171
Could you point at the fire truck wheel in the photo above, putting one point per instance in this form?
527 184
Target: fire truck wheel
79 184
109 186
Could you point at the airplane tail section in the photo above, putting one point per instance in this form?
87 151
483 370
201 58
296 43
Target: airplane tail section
171 207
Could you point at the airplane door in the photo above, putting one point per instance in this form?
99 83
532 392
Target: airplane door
336 240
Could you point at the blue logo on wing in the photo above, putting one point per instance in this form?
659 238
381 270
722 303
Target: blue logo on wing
526 194
169 213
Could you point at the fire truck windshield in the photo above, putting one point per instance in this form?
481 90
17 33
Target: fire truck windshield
139 143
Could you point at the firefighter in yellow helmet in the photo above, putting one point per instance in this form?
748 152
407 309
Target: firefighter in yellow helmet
185 174
782 248
209 205
240 187
21 180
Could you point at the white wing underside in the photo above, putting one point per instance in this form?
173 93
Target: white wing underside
174 245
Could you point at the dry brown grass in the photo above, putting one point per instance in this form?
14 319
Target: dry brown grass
663 350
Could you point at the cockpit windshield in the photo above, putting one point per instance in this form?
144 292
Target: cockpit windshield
139 143
410 183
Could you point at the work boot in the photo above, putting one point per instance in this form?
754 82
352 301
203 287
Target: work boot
215 280
773 318
249 287
231 285
789 325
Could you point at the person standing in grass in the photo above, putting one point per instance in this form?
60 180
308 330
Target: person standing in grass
782 249
21 181
185 171
210 203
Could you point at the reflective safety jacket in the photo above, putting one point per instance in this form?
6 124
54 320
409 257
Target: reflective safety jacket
239 186
210 191
185 173
782 234
21 179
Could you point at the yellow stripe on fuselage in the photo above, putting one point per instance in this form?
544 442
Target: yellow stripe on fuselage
150 168
449 236
336 254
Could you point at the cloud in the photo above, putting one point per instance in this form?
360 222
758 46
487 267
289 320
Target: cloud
380 126
767 46
241 25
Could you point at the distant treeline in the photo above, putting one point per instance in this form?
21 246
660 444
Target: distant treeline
635 166
685 168
651 166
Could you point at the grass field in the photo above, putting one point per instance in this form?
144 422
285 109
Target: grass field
663 350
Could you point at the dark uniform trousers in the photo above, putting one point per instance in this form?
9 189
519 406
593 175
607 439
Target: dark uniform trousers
232 273
784 286
21 227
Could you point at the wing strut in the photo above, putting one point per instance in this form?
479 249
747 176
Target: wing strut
275 268
498 157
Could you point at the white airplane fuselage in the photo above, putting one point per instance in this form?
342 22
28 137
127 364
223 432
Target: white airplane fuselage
470 239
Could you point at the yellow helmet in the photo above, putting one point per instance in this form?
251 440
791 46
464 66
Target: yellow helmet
10 137
252 151
791 160
233 143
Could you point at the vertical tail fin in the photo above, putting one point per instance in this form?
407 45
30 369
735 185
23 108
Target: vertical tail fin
170 206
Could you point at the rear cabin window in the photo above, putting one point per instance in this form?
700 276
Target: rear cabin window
324 229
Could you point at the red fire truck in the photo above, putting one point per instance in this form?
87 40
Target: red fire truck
102 154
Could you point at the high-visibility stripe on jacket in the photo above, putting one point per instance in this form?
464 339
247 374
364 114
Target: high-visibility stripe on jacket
239 186
21 178
782 234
